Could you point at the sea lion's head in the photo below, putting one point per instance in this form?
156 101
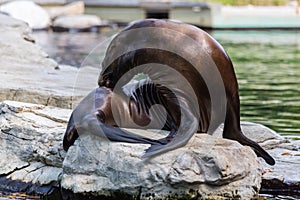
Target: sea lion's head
118 61
110 75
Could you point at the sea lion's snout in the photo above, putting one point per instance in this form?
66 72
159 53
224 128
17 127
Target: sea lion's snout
71 134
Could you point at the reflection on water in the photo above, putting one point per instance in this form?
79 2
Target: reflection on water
72 48
266 64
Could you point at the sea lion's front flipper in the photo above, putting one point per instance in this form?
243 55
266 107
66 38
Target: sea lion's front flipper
188 127
90 124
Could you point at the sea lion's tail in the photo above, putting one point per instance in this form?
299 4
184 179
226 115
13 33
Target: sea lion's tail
260 152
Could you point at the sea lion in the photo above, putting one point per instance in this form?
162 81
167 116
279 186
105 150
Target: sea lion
206 97
211 99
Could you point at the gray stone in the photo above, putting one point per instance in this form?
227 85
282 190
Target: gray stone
27 135
285 174
205 167
31 145
28 75
208 166
98 167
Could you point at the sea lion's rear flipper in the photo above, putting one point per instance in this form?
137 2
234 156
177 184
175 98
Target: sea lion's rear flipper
237 135
188 127
260 152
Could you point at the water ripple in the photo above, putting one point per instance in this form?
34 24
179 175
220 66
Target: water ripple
269 79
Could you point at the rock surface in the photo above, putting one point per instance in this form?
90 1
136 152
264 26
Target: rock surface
207 167
28 75
31 154
283 178
28 11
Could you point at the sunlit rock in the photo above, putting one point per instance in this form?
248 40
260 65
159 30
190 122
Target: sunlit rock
28 11
74 8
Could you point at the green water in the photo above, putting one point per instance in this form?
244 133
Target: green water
267 65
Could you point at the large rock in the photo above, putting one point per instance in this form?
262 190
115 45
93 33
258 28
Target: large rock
28 11
206 167
28 75
32 160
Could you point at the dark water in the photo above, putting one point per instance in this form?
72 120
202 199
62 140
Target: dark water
267 65
18 196
73 48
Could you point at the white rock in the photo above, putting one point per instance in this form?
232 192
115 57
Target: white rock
206 166
28 11
77 21
74 8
